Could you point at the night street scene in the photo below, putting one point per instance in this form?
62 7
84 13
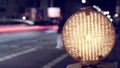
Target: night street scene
31 30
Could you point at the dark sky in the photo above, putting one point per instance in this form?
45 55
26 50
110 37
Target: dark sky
106 5
71 6
33 3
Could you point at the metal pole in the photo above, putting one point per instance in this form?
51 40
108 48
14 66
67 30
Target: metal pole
51 3
44 4
117 9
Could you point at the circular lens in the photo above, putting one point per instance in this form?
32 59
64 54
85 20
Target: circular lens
88 36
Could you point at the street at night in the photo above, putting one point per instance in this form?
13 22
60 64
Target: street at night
32 49
59 33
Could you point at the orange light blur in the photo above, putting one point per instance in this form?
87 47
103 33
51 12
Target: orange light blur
88 36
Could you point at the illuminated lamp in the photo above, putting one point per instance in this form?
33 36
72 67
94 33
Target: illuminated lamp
88 36
53 12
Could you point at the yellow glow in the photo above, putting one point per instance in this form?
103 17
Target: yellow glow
88 36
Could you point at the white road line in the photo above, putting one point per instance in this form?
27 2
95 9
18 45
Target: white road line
50 31
55 61
17 54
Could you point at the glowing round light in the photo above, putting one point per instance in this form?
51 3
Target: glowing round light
116 15
88 36
109 16
24 17
83 1
106 12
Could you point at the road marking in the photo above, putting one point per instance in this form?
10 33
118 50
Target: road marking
55 61
50 31
17 54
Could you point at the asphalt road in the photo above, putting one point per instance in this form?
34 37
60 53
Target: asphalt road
32 49
36 49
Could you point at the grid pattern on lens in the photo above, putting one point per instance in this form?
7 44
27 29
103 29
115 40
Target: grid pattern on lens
88 37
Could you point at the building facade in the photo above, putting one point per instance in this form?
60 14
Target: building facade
11 8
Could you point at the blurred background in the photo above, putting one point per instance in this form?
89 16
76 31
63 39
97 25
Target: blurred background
30 30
